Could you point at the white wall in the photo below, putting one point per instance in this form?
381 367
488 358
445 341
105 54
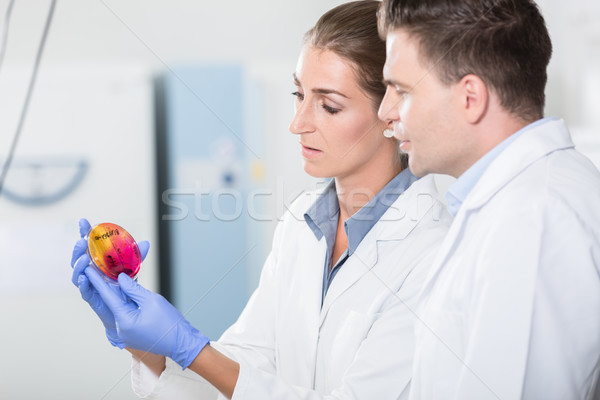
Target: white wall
573 90
51 344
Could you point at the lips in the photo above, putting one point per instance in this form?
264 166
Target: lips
310 152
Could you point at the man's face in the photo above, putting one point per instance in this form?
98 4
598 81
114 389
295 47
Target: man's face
426 113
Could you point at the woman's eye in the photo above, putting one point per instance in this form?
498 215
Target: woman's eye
331 110
298 95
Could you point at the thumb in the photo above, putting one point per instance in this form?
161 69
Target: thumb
144 246
132 289
84 227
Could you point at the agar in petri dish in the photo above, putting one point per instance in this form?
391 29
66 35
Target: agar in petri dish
113 250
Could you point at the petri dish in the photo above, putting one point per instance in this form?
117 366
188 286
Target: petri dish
113 250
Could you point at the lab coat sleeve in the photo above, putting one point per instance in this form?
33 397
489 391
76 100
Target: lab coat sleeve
173 383
249 341
381 368
534 281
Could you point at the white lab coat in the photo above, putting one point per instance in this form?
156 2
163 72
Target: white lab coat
359 344
514 306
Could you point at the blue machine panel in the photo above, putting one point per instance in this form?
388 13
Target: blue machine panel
204 246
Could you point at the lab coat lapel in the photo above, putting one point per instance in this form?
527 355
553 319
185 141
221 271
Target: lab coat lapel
353 269
307 316
394 225
443 254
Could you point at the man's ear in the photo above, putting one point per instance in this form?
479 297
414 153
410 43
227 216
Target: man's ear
474 97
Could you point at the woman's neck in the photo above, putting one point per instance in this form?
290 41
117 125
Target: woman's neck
356 190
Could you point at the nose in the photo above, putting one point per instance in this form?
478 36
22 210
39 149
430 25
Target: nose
388 109
303 119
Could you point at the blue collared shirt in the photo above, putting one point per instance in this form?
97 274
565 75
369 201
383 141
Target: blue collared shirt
458 192
322 219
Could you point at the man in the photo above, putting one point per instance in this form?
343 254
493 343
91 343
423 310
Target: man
512 308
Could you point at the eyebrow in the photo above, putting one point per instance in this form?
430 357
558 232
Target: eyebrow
320 90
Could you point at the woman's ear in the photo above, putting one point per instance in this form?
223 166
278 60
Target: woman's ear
474 96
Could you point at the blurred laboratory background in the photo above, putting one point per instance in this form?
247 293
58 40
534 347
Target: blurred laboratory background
171 120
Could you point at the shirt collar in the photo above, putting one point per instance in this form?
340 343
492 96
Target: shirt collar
461 188
322 216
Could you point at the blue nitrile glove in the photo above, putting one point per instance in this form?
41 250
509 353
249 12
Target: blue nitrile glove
79 261
149 322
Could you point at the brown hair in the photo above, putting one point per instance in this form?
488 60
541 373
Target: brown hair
504 42
350 31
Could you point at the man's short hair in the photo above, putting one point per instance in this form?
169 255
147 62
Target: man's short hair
504 42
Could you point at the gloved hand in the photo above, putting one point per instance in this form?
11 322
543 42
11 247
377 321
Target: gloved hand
149 322
79 261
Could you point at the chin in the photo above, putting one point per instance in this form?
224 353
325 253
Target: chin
416 170
316 172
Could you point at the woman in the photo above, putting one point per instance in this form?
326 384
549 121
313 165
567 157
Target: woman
333 314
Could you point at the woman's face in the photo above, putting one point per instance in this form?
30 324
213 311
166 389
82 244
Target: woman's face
337 125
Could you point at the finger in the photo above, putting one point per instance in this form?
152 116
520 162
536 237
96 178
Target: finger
84 227
81 263
78 250
111 297
89 293
86 290
132 289
91 296
144 246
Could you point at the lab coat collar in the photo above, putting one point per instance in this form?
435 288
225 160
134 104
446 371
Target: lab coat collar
397 222
532 145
